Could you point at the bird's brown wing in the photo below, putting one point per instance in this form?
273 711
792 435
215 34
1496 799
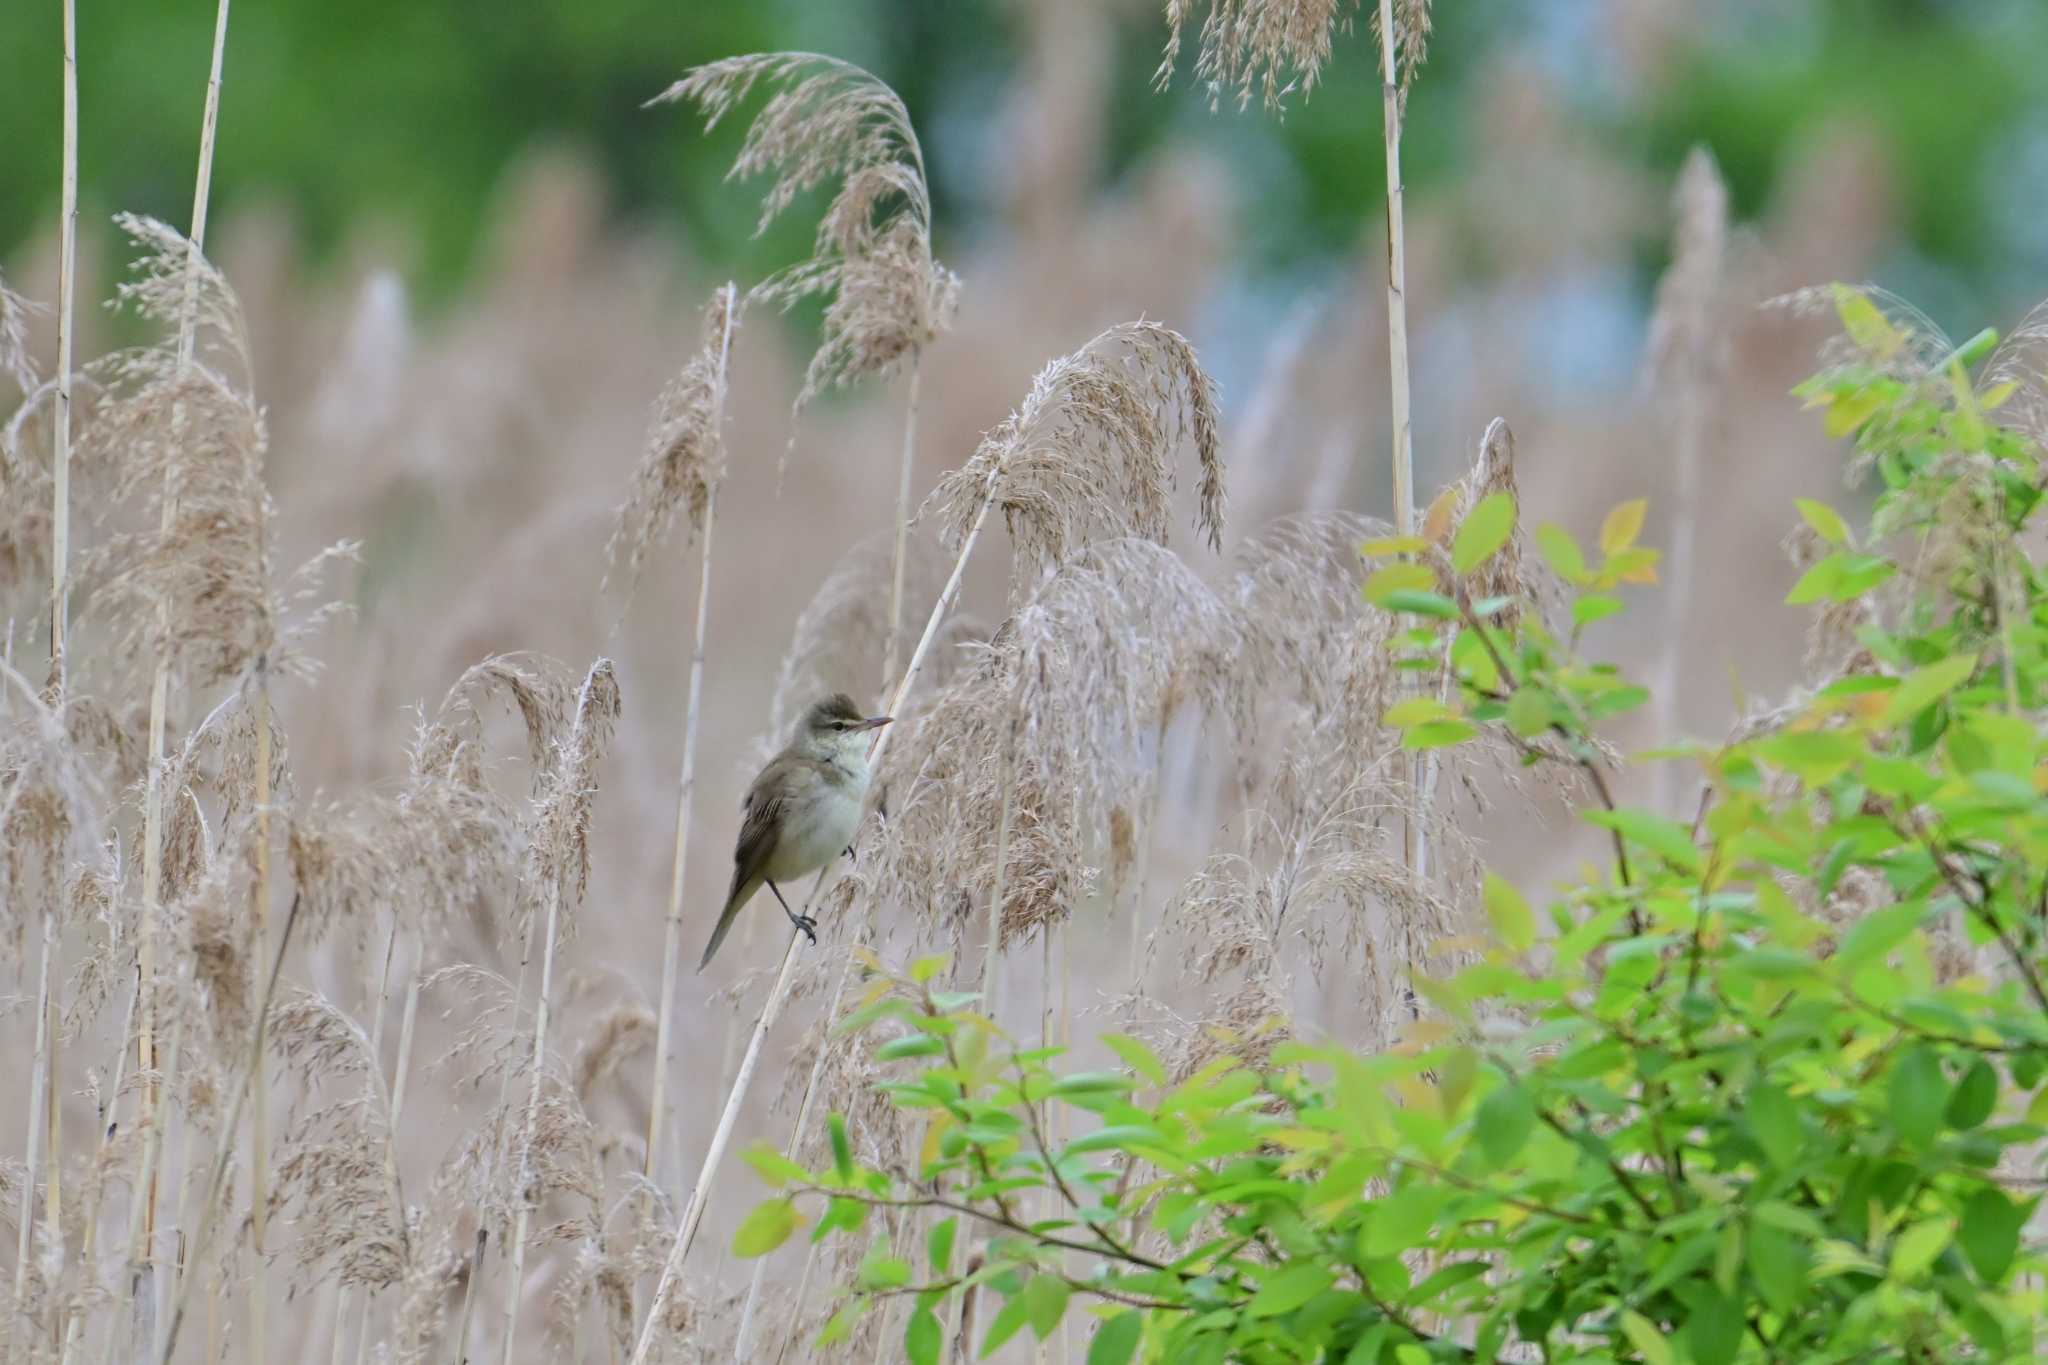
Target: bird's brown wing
761 818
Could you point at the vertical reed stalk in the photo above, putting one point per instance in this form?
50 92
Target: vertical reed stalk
259 1109
38 1086
687 786
342 1295
517 1260
159 691
909 461
67 286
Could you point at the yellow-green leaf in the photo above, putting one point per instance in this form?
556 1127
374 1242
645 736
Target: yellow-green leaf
1825 521
1925 686
1512 918
1622 526
766 1228
1393 545
1918 1247
1648 1341
1393 578
1561 551
1866 325
1485 529
1136 1056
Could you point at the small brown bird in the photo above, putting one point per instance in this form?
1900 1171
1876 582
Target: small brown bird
802 810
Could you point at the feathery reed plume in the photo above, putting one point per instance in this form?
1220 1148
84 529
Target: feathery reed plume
888 298
684 459
1089 453
685 463
15 361
1273 47
558 871
1688 360
829 120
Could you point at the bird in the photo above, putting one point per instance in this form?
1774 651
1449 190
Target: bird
800 813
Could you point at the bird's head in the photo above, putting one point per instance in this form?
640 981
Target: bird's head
835 724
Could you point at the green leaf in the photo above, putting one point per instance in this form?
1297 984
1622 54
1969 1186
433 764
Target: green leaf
914 1045
1816 583
1778 1263
1506 1118
1512 918
1530 712
1648 1341
773 1167
1438 734
1561 551
766 1228
879 1271
1289 1290
1393 545
1400 1221
1418 603
1925 686
1136 1056
1713 1326
925 968
1814 756
1918 1247
1919 1094
922 1338
1009 1321
938 1245
1045 1302
842 1150
842 1323
1976 1095
1485 529
1774 1123
1825 521
1598 607
1393 578
1990 1233
1116 1341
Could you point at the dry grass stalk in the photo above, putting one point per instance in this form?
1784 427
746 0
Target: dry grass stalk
1273 47
1688 360
67 287
695 443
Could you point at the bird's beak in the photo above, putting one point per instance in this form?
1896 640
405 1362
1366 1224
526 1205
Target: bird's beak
874 722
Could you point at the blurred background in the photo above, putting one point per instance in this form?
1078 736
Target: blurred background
470 259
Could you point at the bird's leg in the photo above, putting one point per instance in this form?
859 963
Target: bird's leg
803 922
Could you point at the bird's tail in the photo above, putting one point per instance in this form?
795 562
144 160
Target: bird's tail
741 894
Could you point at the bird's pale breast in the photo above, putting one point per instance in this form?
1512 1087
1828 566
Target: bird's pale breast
816 833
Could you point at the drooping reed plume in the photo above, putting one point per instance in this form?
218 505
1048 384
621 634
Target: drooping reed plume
887 297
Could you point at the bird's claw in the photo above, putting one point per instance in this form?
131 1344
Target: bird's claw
808 926
849 850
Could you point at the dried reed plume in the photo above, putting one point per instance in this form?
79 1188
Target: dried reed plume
15 361
829 120
684 459
1089 453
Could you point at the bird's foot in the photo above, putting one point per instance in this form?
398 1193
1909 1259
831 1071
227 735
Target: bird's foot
849 850
808 926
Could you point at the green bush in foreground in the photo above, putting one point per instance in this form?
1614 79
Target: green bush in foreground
1766 1089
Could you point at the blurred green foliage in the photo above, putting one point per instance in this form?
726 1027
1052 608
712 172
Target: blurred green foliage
410 113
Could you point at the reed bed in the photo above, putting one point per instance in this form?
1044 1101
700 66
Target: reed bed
373 714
